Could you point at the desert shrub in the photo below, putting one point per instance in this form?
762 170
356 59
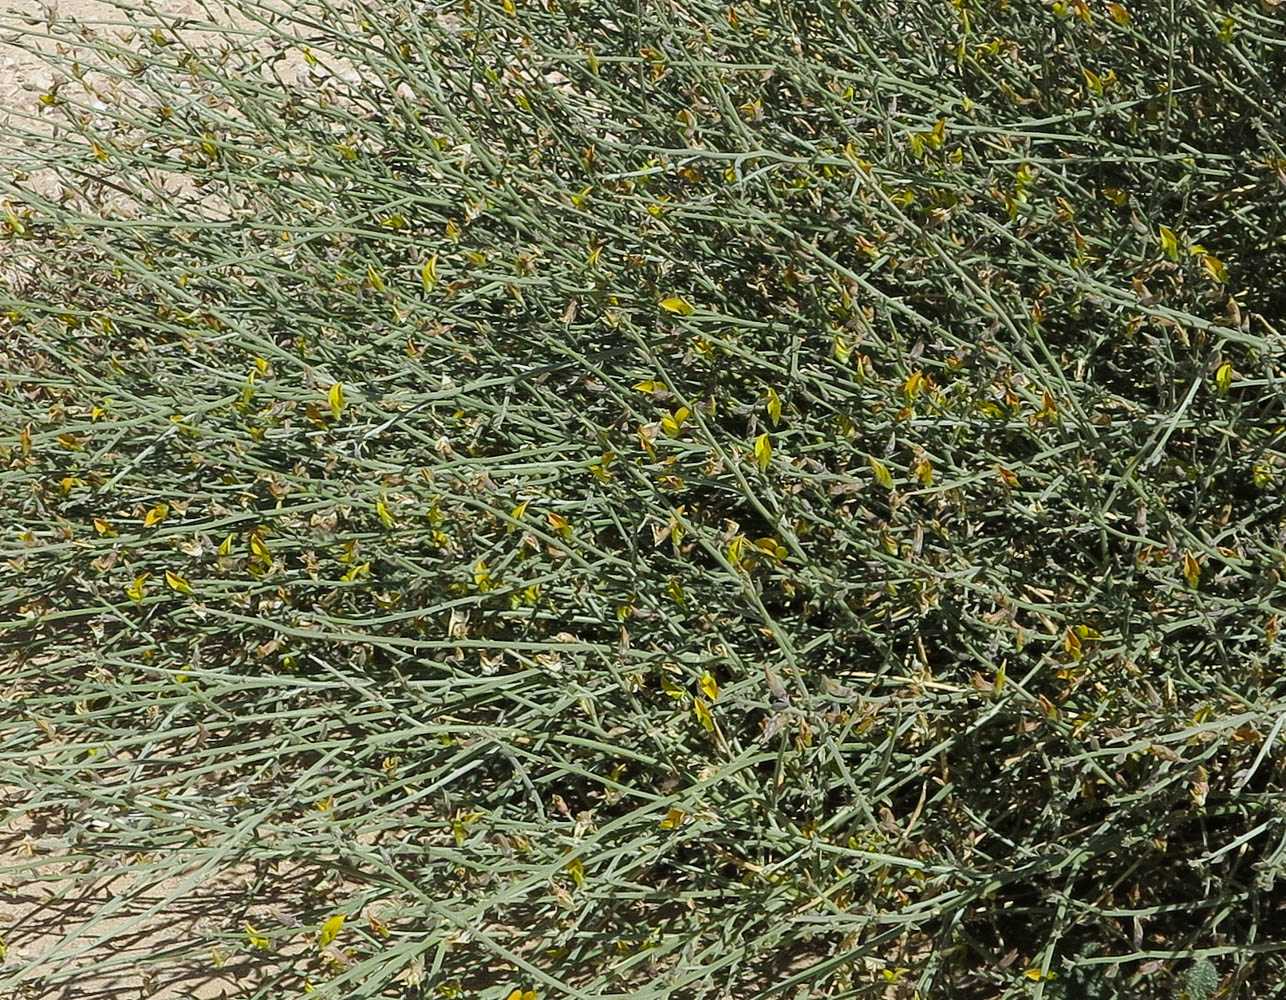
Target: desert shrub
724 501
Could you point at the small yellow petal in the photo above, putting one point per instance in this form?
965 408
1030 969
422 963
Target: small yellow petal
177 583
882 474
773 406
763 451
329 930
1191 569
1215 266
260 548
335 396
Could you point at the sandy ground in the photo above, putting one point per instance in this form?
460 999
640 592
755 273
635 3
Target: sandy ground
84 921
23 77
26 82
82 931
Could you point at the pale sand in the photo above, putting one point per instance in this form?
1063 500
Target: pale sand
55 924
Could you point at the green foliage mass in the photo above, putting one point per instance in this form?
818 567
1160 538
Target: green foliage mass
659 501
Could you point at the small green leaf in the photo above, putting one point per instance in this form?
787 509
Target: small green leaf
1202 981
